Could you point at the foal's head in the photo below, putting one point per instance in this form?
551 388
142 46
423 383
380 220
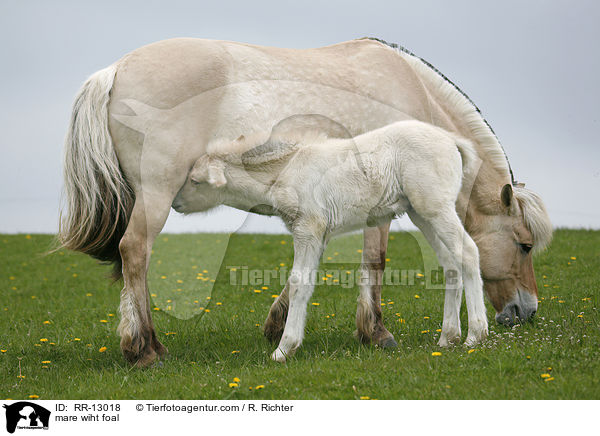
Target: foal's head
507 241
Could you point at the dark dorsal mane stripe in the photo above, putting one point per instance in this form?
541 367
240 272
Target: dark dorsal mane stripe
408 52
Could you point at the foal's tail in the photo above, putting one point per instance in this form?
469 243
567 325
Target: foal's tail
97 198
470 159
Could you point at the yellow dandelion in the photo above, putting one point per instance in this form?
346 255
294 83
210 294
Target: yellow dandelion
43 340
359 251
282 242
103 320
233 385
89 294
74 275
218 303
471 351
235 352
3 351
256 325
548 379
33 396
102 349
580 316
163 277
282 264
364 397
527 357
111 314
207 310
436 353
546 375
315 304
265 287
76 339
157 308
420 275
236 380
27 236
417 296
438 330
573 258
46 322
424 331
257 291
387 259
46 361
259 387
425 317
274 296
205 271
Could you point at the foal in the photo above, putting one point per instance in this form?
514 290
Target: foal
321 187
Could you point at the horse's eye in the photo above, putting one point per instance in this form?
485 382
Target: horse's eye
526 247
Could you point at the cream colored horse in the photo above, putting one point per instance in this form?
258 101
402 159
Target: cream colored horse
139 126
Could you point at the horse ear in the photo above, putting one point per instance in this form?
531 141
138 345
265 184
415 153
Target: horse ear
216 174
506 195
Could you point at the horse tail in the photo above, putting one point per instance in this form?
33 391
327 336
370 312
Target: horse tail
470 159
97 200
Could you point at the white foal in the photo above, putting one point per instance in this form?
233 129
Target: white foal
321 187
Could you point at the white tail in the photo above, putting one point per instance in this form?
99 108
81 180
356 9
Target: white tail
97 197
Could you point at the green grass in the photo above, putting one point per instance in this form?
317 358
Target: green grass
72 293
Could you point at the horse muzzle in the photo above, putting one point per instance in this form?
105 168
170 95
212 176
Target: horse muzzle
520 309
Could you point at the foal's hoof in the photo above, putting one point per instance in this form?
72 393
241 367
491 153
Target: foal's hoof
278 356
476 338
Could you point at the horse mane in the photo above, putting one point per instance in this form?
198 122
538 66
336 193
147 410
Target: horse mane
457 102
535 216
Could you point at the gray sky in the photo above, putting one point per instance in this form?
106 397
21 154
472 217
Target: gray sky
531 67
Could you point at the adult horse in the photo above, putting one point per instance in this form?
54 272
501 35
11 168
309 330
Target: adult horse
139 126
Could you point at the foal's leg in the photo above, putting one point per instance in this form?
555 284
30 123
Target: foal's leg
275 322
308 248
451 323
369 320
138 338
462 248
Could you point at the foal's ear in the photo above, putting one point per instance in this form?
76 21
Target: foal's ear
216 173
208 170
506 195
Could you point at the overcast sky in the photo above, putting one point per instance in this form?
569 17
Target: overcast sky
531 67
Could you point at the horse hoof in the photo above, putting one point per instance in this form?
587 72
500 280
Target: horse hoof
278 356
388 342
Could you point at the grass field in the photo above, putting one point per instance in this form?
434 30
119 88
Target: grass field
59 313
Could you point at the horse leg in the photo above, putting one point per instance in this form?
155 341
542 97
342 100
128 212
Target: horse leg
138 338
464 252
451 323
275 322
308 248
369 320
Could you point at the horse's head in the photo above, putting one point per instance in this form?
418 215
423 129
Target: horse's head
507 241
